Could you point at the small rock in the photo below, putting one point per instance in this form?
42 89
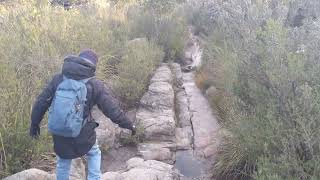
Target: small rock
211 91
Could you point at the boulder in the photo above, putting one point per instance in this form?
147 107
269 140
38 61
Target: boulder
159 97
144 170
30 174
77 172
157 126
160 151
107 131
134 162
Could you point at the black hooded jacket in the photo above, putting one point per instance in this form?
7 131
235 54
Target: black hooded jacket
77 68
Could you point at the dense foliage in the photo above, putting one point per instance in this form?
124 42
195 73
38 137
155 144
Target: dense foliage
36 35
262 57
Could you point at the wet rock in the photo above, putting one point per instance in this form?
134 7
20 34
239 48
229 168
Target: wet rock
184 138
205 126
145 170
115 159
30 174
188 165
188 68
160 151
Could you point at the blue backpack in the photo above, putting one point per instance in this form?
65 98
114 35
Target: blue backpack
66 111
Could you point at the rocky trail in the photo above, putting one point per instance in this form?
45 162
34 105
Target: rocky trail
181 134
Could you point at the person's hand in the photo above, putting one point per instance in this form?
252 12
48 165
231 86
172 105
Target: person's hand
133 130
34 131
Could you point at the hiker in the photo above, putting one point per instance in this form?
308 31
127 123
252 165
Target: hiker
71 96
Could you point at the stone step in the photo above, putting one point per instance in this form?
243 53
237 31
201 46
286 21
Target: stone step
77 172
160 151
156 112
138 168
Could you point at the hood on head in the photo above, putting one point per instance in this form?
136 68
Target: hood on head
77 68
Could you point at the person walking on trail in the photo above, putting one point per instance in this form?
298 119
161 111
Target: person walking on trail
70 97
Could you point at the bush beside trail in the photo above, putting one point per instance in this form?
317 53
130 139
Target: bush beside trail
266 73
35 37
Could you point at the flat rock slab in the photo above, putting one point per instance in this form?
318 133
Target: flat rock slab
160 96
138 168
184 138
205 125
162 74
182 106
160 151
157 126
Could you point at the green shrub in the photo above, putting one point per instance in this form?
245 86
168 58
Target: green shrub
267 95
168 31
139 62
34 39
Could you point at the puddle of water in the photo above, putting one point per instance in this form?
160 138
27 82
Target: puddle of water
188 165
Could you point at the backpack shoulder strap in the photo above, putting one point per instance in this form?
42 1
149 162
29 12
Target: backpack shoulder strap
90 117
88 79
